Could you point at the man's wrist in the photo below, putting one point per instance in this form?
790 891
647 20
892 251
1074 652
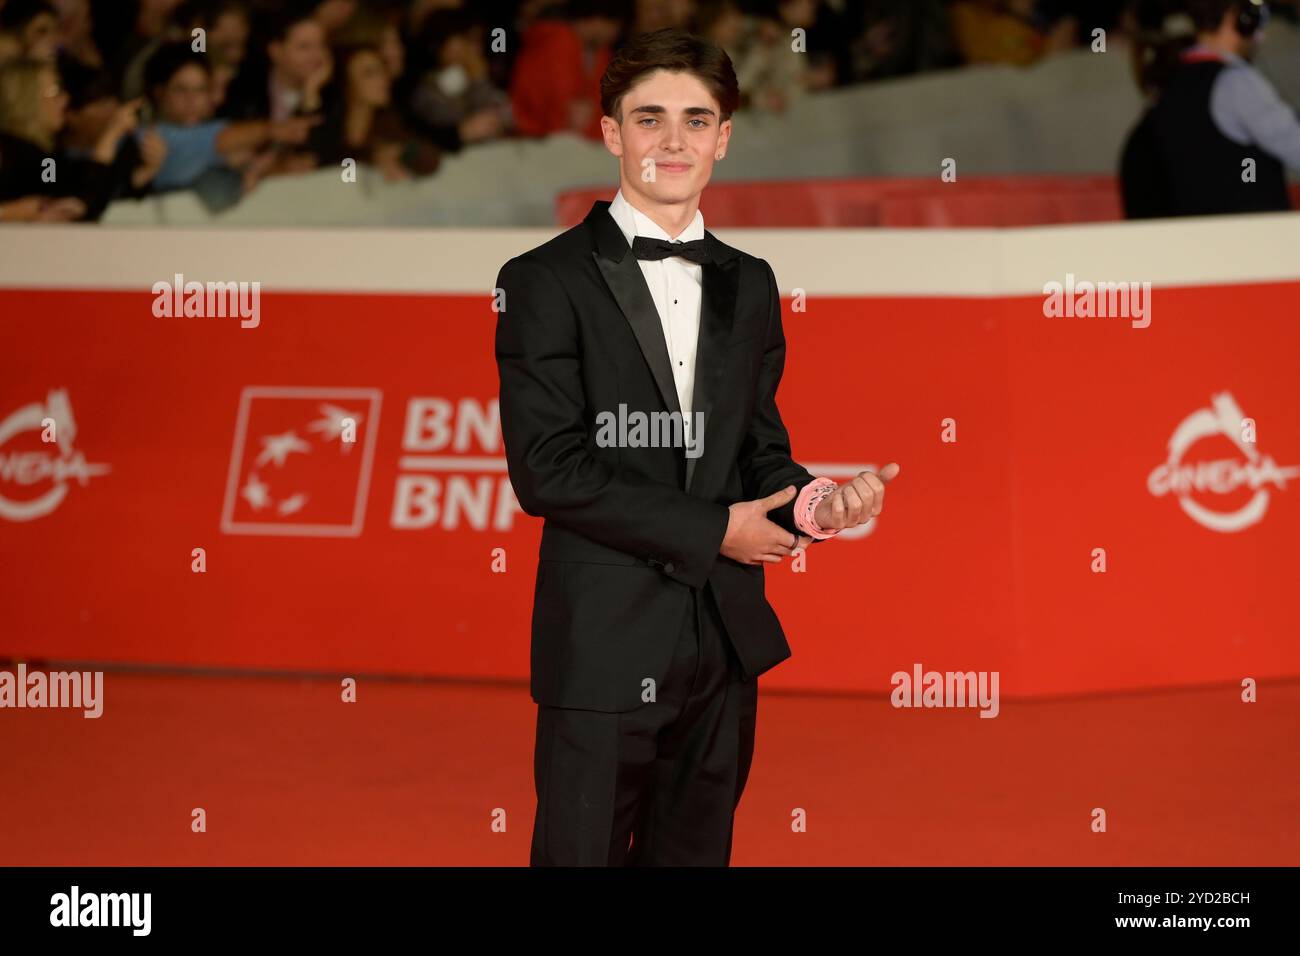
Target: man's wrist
805 508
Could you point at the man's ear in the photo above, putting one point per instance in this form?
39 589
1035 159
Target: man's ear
724 135
609 128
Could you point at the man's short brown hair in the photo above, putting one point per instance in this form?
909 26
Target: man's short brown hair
676 51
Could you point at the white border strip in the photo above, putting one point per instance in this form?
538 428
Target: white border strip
873 262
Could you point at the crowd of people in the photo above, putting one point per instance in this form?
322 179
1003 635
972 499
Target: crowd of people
109 99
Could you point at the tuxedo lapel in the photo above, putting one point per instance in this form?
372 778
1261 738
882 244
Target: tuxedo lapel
717 313
626 282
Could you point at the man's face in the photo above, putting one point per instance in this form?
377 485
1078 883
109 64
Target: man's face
185 99
228 38
40 39
669 139
302 54
368 79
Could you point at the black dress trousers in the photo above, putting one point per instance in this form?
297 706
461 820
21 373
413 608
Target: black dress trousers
659 785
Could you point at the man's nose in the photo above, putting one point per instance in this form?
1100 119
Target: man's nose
672 137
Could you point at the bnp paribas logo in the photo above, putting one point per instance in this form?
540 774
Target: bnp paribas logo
301 461
1204 486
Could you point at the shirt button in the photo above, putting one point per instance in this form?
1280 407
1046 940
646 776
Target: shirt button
668 568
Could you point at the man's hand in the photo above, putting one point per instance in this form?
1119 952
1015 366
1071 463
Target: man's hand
857 502
483 124
64 209
27 209
311 92
751 538
153 151
124 119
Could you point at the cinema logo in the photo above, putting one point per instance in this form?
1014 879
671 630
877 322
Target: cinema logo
453 468
75 908
947 689
652 430
181 299
27 462
1223 476
1100 300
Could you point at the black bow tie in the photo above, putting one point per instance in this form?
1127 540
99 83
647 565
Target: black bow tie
645 247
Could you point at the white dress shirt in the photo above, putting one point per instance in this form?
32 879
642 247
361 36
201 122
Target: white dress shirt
674 285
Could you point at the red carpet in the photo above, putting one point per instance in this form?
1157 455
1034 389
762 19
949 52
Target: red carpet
412 773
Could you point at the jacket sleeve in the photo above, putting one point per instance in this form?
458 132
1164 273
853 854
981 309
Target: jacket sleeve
765 462
543 424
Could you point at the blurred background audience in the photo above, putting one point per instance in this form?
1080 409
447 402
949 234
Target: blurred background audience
132 97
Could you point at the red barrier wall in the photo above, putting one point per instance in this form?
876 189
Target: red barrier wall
377 556
970 201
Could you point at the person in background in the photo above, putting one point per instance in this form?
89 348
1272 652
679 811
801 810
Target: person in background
38 180
333 14
361 124
1159 40
76 33
10 48
34 25
367 27
94 111
456 100
889 38
152 27
416 12
772 74
1013 32
721 22
651 15
203 153
226 26
1219 138
288 79
556 82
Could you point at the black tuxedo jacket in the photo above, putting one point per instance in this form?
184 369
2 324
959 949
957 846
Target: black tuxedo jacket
628 530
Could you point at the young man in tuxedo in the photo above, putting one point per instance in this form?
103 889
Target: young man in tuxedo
649 625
